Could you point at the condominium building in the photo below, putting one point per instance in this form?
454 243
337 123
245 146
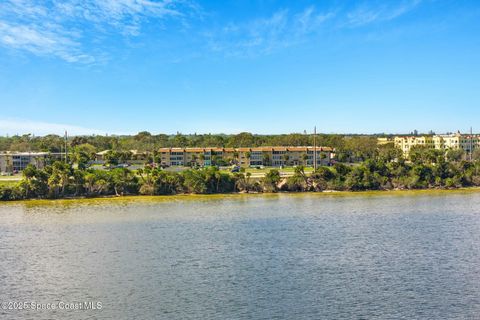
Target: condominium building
384 141
259 156
447 141
407 142
18 161
468 143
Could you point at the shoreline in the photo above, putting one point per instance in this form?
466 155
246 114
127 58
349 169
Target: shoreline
233 195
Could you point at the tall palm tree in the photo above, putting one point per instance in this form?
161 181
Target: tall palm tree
194 160
248 156
304 159
235 157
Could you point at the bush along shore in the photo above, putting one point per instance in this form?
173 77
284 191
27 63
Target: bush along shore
427 170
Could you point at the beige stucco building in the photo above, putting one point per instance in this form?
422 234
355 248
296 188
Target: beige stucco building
457 140
18 161
405 143
384 141
258 156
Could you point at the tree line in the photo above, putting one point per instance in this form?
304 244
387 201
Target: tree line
349 146
385 170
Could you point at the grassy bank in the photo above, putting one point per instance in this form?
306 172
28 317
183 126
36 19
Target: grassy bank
8 183
62 180
240 196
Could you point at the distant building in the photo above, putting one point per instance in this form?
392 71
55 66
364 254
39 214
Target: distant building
245 157
100 156
468 143
18 161
135 154
405 143
384 141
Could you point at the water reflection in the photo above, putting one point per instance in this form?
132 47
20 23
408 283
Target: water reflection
246 257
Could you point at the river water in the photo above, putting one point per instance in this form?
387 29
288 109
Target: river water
363 256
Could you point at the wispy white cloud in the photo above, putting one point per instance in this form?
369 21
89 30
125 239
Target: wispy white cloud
264 35
309 20
13 126
284 28
75 30
124 15
366 13
42 40
58 27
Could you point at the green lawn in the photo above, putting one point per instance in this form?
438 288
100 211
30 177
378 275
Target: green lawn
97 167
8 183
284 169
16 177
10 180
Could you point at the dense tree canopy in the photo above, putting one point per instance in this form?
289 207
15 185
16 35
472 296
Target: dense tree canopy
350 147
384 170
360 164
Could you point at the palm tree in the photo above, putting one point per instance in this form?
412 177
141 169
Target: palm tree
323 156
218 177
28 175
195 181
122 178
78 180
300 172
148 181
248 155
242 181
235 157
54 184
100 186
9 165
194 160
89 182
64 177
271 179
304 159
202 159
59 177
266 159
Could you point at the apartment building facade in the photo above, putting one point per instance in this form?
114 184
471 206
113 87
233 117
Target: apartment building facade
407 142
18 161
468 143
384 141
245 157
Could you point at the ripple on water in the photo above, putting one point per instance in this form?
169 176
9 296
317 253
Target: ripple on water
259 257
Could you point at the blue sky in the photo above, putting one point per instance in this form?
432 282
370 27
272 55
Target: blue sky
265 66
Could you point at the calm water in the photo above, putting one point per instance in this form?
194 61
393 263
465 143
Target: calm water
411 256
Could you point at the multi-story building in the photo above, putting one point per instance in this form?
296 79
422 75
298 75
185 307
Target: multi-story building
468 143
18 161
405 143
447 141
384 141
258 156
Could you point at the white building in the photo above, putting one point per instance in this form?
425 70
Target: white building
18 161
445 142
